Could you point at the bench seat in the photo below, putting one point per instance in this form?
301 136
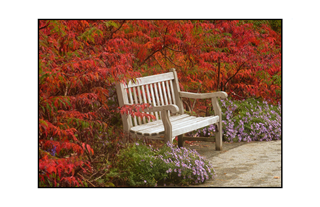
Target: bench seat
180 124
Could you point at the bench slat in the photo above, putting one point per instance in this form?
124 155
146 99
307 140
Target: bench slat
196 125
159 122
165 95
169 94
157 97
172 92
140 101
168 91
174 123
131 101
159 128
153 101
160 93
151 79
179 126
144 98
148 95
136 101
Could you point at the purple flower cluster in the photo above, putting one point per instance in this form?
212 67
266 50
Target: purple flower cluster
52 151
186 164
244 121
145 166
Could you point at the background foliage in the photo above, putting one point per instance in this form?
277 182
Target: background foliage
80 61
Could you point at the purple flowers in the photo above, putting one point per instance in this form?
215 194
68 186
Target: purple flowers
247 120
169 164
196 170
52 151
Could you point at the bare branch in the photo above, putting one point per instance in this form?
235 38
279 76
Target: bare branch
150 56
173 49
158 63
86 180
234 74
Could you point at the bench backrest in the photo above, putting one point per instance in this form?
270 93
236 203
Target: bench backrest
158 90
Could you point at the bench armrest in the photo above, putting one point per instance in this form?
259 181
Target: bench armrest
219 94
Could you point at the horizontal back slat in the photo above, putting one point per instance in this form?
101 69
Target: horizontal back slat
151 79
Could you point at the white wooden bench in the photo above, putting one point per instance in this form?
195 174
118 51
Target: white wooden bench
162 91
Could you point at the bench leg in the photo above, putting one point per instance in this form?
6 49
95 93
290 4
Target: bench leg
180 140
168 139
219 137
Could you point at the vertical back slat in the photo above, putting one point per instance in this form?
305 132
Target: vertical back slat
131 100
165 95
168 91
140 101
173 97
148 95
169 95
157 97
153 100
136 100
144 98
128 92
160 93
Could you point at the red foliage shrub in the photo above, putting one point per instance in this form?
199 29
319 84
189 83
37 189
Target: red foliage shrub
79 62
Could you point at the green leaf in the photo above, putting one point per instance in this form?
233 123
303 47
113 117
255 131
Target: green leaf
108 184
111 23
62 102
100 181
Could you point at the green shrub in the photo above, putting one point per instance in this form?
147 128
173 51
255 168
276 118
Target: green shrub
141 165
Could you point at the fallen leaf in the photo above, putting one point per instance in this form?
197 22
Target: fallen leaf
276 177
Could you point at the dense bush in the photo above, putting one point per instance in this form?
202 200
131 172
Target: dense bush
247 120
81 60
142 165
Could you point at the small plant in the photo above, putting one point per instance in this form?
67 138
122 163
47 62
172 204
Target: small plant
142 165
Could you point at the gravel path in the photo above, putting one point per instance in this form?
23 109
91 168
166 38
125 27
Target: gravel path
253 164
